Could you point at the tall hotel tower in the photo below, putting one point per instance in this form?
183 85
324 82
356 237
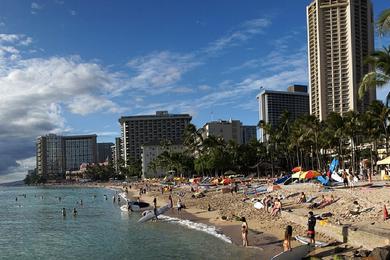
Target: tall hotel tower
340 35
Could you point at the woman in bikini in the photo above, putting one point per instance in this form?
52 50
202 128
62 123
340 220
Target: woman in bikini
287 239
244 232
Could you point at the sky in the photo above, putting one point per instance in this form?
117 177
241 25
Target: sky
75 67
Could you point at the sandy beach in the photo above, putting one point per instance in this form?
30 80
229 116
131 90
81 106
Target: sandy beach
267 232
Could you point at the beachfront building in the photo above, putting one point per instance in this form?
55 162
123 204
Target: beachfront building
230 130
272 104
57 154
150 152
116 153
104 152
150 129
340 35
249 133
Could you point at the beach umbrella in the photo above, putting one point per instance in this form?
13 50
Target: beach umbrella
310 175
297 169
296 175
226 181
273 188
384 161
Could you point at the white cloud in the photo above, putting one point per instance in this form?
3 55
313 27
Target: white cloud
72 12
35 7
160 70
242 33
86 104
204 87
35 91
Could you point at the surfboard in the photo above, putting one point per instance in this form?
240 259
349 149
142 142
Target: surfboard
149 214
306 240
336 177
282 179
298 252
324 181
258 205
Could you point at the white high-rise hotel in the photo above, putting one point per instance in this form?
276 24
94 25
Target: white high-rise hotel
340 35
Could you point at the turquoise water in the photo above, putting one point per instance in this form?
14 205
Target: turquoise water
34 228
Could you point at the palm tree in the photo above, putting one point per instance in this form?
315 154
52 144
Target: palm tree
383 22
335 130
380 62
352 131
381 116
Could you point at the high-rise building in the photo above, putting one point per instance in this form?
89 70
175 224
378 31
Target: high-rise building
104 152
150 152
231 130
116 152
249 133
58 154
145 129
272 104
340 36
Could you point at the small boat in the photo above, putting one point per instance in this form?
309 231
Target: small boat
135 206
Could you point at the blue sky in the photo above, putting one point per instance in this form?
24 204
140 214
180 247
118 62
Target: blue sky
75 67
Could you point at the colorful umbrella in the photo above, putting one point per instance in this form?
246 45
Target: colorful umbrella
310 175
297 169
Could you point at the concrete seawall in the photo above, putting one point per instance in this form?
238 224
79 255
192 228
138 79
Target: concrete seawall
345 234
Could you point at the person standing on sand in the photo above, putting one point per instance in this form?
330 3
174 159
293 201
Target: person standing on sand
287 239
170 201
244 232
345 178
311 223
155 207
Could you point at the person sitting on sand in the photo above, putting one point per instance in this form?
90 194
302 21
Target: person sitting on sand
302 198
277 207
268 203
326 201
244 232
356 208
287 239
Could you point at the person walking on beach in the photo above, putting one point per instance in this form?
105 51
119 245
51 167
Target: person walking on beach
287 239
345 178
113 199
170 201
244 232
179 206
311 223
155 207
74 212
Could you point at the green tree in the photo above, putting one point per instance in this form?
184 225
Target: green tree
383 22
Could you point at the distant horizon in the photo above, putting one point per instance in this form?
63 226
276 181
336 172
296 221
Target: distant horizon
67 68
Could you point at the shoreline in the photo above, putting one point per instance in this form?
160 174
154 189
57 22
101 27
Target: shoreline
265 244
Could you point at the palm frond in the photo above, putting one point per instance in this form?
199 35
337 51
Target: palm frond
383 22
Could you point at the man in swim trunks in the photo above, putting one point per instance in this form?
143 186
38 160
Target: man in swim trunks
311 223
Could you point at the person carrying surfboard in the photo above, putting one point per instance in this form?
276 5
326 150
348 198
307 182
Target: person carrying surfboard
311 223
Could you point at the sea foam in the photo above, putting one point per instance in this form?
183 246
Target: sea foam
212 230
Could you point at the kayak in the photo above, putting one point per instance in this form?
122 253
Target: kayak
149 214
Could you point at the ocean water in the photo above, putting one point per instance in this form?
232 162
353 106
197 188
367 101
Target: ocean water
34 228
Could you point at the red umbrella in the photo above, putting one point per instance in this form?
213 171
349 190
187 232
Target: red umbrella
297 169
